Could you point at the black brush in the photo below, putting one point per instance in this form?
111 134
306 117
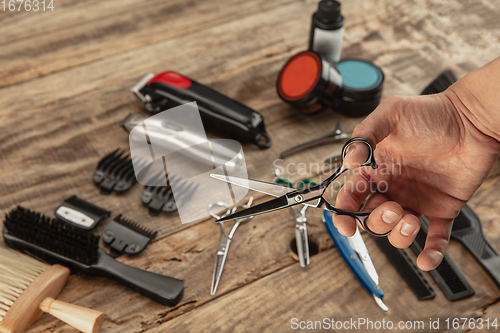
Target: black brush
441 83
125 236
468 230
115 172
56 242
447 275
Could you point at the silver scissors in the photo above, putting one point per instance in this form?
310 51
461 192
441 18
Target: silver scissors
225 241
311 196
301 237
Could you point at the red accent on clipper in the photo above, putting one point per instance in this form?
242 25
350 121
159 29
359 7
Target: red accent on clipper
172 79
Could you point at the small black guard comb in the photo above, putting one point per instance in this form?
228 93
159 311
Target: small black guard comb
125 236
115 172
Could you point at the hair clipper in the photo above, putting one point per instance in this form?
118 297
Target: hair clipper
219 113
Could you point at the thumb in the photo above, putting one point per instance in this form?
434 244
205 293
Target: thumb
382 121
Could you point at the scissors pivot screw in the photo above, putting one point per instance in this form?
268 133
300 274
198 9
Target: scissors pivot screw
299 198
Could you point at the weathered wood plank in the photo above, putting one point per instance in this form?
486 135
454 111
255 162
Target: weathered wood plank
260 252
333 293
95 30
55 129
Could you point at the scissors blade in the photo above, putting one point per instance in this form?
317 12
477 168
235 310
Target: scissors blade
219 263
268 206
263 187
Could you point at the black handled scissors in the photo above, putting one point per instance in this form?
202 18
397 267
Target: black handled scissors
312 196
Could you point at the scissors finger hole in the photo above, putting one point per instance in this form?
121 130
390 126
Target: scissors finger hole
362 222
216 207
357 152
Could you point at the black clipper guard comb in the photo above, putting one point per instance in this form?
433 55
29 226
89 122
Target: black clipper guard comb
125 236
447 275
407 269
468 230
161 198
115 172
80 213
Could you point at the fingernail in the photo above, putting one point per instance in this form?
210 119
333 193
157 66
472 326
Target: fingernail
352 148
390 217
407 229
435 256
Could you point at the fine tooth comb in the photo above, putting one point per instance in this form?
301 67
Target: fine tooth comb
407 269
80 213
161 198
28 288
441 83
447 275
125 236
468 230
54 241
115 172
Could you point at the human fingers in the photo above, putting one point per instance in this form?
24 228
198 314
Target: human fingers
350 197
404 233
356 155
385 215
438 237
382 121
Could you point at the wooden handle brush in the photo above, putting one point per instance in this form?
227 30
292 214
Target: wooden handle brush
28 287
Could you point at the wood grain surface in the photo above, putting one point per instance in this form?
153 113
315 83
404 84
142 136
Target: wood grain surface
65 85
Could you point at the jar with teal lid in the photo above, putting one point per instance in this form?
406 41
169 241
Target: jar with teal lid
362 87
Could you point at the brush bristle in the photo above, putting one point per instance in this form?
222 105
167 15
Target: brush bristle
17 271
53 235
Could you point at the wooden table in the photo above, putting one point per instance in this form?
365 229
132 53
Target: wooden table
65 80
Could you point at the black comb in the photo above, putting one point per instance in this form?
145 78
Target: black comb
407 269
441 83
125 236
468 230
115 172
161 198
56 242
447 275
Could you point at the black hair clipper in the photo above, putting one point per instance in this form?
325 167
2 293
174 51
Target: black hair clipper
218 112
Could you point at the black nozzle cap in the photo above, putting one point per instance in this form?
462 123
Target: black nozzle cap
329 10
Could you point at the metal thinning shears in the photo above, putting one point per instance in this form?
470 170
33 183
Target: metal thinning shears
301 237
312 196
225 241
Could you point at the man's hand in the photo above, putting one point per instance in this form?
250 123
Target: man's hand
431 159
